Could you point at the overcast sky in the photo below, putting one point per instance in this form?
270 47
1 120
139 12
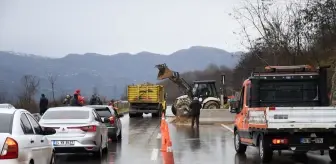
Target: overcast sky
55 28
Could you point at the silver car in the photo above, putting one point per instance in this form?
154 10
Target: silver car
78 130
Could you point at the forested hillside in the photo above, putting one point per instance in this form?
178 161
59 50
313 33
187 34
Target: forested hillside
299 33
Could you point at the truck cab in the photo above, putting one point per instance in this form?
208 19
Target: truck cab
285 108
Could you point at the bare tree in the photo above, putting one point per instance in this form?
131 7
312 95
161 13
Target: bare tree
30 86
52 80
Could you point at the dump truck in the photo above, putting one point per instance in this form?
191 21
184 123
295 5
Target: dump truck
205 90
146 98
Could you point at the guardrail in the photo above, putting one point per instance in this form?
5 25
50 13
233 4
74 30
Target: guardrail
210 116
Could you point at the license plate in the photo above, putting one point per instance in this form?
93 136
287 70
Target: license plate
318 140
305 140
314 140
63 143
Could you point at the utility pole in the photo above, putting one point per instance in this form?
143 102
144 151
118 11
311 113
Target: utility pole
223 91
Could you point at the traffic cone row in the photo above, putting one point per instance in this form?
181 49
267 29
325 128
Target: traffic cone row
166 144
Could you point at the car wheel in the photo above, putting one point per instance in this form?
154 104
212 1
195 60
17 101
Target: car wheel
265 152
332 155
106 147
52 160
240 148
98 154
119 137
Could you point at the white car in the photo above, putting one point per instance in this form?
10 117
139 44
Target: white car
7 106
78 130
22 140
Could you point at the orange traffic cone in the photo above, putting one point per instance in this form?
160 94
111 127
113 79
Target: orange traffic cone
168 157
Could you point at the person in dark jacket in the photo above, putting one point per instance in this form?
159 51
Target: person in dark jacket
195 107
43 104
75 101
93 100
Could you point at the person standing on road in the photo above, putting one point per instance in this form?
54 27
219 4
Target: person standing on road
93 100
75 101
195 107
80 97
113 104
67 100
43 104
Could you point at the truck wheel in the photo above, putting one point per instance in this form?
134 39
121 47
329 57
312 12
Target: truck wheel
265 152
211 105
240 148
332 155
132 115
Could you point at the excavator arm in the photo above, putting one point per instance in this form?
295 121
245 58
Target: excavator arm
166 73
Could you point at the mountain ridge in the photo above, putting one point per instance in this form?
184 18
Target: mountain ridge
109 73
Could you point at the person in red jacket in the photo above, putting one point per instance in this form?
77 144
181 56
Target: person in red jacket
80 97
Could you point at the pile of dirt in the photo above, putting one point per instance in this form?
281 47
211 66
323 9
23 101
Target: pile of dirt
181 120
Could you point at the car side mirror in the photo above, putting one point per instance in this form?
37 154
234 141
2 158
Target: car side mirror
234 105
105 120
48 131
121 115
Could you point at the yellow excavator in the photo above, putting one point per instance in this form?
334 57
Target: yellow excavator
205 90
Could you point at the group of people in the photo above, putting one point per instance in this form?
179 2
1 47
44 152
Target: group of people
78 100
75 100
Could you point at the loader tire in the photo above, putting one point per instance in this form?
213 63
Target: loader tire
211 105
173 109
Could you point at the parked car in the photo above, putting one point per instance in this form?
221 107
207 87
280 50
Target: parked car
22 140
7 106
78 130
114 124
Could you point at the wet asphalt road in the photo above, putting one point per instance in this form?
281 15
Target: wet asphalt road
211 144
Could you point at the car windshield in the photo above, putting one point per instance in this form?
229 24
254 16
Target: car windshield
66 114
104 112
6 123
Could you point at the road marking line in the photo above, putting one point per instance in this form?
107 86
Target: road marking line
155 153
227 127
158 136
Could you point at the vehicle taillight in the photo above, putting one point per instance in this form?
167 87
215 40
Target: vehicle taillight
10 149
279 141
91 128
111 120
271 108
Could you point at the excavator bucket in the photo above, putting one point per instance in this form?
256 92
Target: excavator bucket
164 71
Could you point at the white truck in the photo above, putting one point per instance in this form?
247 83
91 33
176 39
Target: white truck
285 108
